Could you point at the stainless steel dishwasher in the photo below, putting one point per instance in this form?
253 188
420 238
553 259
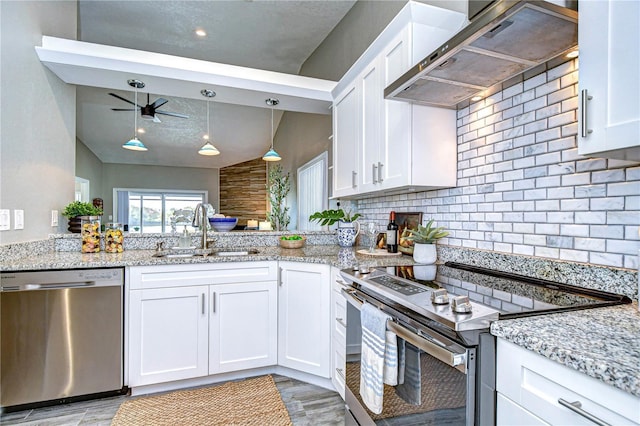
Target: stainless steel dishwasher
62 336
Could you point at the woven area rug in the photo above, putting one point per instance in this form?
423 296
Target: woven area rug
248 402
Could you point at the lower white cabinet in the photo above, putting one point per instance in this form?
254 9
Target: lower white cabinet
180 331
243 328
168 334
533 389
303 318
338 332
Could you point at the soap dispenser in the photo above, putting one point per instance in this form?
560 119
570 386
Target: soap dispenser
185 239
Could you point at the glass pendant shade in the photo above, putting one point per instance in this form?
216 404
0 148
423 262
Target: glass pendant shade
134 145
271 155
208 149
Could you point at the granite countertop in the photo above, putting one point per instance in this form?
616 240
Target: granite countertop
327 254
603 343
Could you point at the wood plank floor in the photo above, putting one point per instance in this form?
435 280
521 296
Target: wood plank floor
307 405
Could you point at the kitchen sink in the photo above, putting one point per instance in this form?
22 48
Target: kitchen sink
171 255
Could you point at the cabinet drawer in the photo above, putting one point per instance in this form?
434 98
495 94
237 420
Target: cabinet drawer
339 367
509 413
340 320
538 384
162 276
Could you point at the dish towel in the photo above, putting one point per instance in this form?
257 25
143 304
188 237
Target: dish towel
409 376
379 347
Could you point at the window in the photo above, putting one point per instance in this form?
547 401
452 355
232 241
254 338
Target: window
148 211
312 191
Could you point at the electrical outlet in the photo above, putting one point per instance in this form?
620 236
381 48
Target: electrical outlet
5 220
18 219
54 217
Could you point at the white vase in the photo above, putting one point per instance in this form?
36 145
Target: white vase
425 254
347 233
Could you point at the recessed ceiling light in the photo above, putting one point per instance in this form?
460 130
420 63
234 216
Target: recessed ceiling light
201 33
476 98
573 54
141 130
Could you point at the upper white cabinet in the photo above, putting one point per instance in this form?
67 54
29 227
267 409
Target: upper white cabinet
304 341
382 145
609 39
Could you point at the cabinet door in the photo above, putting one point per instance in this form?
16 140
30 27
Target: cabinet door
609 37
338 332
304 318
244 324
168 333
346 137
370 82
395 152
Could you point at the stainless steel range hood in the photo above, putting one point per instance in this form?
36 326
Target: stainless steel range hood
506 39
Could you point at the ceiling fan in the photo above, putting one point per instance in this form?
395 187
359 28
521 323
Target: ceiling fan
150 110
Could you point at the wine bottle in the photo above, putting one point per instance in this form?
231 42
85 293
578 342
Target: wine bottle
392 234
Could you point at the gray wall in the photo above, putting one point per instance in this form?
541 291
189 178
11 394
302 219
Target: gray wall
38 118
158 177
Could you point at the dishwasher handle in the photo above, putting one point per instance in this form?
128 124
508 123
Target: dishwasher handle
48 286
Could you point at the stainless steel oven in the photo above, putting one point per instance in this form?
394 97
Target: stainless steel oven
443 313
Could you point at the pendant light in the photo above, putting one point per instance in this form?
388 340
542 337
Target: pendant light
208 148
135 144
271 155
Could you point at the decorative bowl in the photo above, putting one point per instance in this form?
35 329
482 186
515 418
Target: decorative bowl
223 224
293 244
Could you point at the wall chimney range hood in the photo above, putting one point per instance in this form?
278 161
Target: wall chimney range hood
506 39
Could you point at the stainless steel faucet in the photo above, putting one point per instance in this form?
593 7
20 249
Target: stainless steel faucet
200 220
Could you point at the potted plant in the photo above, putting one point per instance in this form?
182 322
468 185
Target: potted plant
74 211
348 226
424 242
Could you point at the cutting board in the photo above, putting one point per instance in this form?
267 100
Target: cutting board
378 252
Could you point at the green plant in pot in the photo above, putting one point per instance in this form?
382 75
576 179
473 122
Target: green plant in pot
424 242
348 226
75 210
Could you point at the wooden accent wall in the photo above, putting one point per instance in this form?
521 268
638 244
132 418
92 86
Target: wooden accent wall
243 191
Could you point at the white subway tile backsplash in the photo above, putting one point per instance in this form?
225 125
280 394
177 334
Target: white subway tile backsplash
523 188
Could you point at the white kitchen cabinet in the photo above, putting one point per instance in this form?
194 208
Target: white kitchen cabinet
531 386
338 332
397 146
609 39
346 139
168 330
244 325
188 321
304 341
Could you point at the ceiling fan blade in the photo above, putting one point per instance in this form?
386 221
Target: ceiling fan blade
123 99
173 114
123 109
159 102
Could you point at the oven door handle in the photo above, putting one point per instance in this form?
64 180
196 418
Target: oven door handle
453 359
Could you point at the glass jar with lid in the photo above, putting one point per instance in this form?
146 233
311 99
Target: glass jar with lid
90 232
113 238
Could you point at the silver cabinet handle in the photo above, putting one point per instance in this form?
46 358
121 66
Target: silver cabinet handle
202 303
342 283
380 179
374 173
340 373
354 179
280 277
576 407
213 303
341 322
585 98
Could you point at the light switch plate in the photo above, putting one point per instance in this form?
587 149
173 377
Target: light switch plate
5 220
18 219
54 217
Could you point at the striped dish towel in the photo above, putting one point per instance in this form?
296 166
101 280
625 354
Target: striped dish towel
379 354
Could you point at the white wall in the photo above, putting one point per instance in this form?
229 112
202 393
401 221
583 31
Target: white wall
37 118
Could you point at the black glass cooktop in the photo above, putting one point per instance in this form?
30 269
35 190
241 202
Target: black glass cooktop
511 294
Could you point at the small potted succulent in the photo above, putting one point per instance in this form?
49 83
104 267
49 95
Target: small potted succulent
424 242
74 211
348 225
